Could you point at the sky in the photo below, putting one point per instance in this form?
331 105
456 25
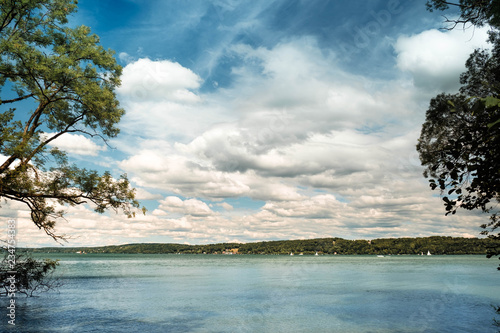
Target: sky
268 120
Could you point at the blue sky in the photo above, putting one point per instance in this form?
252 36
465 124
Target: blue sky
263 120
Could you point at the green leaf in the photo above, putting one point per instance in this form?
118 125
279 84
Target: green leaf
450 103
491 102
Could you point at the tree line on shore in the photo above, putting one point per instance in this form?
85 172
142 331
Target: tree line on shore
439 245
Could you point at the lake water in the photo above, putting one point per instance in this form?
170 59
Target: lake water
240 293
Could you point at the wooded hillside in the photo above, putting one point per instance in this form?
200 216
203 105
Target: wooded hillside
385 246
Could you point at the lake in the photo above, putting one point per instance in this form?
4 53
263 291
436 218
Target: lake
247 293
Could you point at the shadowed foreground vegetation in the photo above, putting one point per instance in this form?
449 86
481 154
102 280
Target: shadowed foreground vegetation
436 245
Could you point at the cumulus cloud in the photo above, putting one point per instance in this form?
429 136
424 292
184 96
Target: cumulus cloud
142 194
181 175
146 79
226 206
74 144
294 120
338 150
319 206
301 115
436 59
125 57
162 101
192 207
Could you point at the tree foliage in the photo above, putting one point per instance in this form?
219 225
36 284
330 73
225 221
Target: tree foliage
54 81
32 276
435 244
462 152
459 143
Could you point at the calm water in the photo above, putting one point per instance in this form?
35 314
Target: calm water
189 293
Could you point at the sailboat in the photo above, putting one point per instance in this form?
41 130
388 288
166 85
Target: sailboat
429 253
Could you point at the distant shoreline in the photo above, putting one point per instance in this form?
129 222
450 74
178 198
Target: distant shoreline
436 245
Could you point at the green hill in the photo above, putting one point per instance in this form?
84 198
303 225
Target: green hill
434 244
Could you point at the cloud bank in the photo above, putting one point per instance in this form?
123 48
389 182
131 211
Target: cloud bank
291 144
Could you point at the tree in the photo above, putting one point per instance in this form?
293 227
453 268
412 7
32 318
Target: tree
54 81
460 140
32 276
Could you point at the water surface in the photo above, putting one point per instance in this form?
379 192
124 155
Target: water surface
245 293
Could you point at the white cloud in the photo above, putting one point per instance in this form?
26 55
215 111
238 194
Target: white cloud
226 206
125 57
162 102
146 79
435 58
74 144
191 207
142 194
319 206
182 176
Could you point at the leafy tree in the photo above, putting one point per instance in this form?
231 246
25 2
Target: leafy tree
460 140
55 80
461 152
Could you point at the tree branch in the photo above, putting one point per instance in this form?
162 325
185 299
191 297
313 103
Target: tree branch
16 99
43 144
